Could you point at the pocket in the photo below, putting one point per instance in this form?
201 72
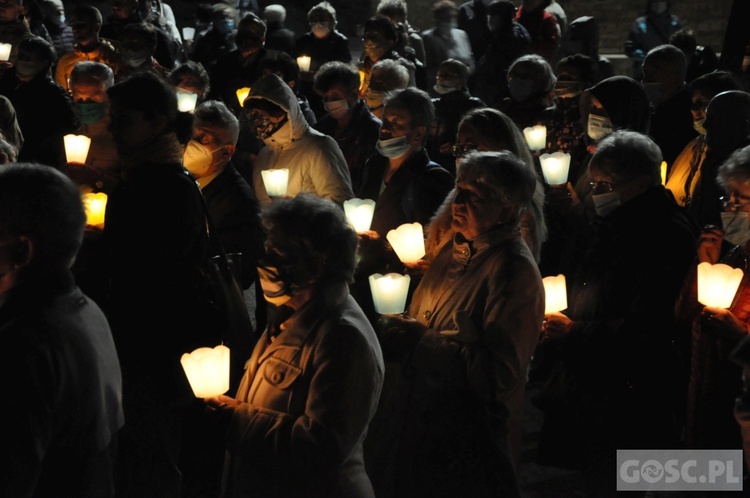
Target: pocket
280 374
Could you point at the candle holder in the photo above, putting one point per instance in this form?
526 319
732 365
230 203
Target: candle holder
207 370
359 213
275 181
188 33
556 294
717 284
408 242
186 101
389 292
303 61
95 205
5 49
555 167
76 148
242 94
536 136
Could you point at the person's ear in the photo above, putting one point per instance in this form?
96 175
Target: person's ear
228 151
419 134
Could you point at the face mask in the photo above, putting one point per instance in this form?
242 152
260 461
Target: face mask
320 30
264 127
443 88
90 112
393 148
275 289
606 203
658 7
567 89
374 98
654 93
736 227
135 59
336 108
520 89
27 69
198 158
698 126
599 127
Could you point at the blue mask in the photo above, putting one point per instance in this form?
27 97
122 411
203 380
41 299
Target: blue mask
90 112
393 148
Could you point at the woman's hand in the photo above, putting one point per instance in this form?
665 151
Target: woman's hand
709 244
221 404
399 334
555 325
417 268
722 323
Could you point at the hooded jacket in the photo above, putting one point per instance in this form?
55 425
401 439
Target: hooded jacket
315 162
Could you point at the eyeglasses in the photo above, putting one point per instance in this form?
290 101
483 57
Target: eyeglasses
460 150
726 202
601 187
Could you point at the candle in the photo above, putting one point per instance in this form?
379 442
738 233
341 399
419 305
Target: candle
359 213
664 172
389 292
5 51
76 148
188 33
276 181
717 284
207 370
536 136
186 101
555 167
556 296
95 205
361 80
303 61
408 242
242 94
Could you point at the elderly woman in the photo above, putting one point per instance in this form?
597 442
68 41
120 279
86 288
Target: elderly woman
299 418
476 314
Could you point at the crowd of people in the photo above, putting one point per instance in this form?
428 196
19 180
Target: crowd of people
330 397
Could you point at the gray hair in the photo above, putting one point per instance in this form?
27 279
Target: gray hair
91 72
391 73
217 116
625 155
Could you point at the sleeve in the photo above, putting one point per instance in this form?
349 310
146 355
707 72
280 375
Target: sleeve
330 173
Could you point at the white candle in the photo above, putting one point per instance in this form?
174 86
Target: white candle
359 213
95 205
303 61
186 101
663 169
207 370
275 181
76 148
5 51
408 242
188 33
555 167
536 136
556 295
717 284
389 292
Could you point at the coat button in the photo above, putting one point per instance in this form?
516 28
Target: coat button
427 314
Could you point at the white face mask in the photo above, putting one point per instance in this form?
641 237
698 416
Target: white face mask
736 225
374 98
604 204
443 88
27 69
336 108
598 127
393 148
198 158
275 289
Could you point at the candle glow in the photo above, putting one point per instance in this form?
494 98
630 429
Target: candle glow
555 167
556 295
76 148
303 61
408 242
389 292
717 284
95 205
207 370
275 181
359 213
536 136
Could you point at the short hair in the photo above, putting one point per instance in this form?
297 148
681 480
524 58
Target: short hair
143 31
216 115
91 72
336 72
251 22
502 175
317 237
392 73
458 68
193 70
735 170
204 12
505 9
670 55
684 39
712 84
41 203
323 7
88 13
280 61
383 25
442 7
417 102
625 155
585 65
148 93
498 129
40 47
274 13
535 69
393 9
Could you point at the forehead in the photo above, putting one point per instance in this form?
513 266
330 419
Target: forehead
393 113
88 88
